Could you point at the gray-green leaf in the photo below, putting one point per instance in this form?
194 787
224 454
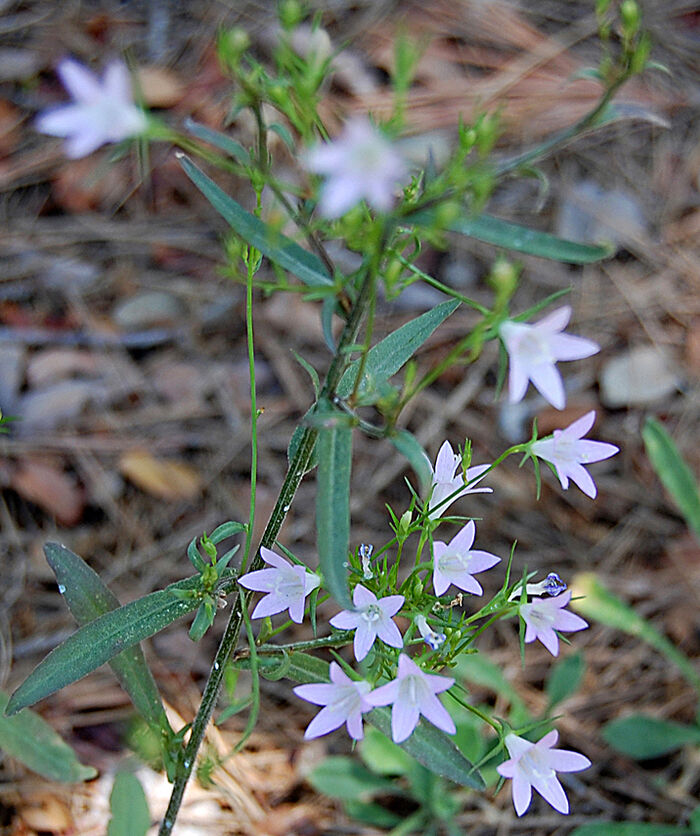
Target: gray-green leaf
642 737
277 247
129 808
29 739
565 678
88 598
334 447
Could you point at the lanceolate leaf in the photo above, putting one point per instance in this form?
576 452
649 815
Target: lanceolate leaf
643 737
428 745
218 139
675 474
29 739
102 639
130 816
409 446
522 239
88 598
388 356
334 446
277 247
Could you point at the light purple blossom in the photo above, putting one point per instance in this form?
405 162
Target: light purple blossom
568 451
447 481
102 111
413 693
533 351
536 765
545 615
455 562
345 701
369 619
287 586
361 164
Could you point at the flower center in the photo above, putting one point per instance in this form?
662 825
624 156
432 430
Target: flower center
534 348
535 766
371 613
453 562
288 585
541 617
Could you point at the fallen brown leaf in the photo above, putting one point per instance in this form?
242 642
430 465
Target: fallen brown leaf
50 488
165 478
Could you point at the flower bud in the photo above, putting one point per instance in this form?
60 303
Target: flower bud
405 524
631 16
290 13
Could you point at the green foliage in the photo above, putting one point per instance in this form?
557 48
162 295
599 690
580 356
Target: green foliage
642 737
565 678
129 808
30 740
674 473
334 447
629 828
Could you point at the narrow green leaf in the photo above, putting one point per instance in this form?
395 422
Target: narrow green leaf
219 140
478 670
674 473
389 355
30 739
409 446
565 678
88 598
629 828
334 446
129 808
346 779
643 737
428 745
277 247
519 238
102 639
593 600
295 441
369 812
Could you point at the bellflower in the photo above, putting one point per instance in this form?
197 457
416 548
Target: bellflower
102 111
536 765
360 164
533 351
545 615
286 585
413 693
369 619
432 638
568 451
455 562
445 482
344 701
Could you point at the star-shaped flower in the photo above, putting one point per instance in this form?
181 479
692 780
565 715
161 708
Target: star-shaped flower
345 701
103 110
545 615
446 480
287 586
455 562
370 618
536 765
533 351
413 693
568 451
361 164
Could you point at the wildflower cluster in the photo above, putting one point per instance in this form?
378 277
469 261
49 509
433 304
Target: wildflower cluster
407 619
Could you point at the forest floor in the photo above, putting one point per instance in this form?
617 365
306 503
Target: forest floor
122 349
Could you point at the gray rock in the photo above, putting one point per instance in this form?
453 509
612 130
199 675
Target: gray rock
642 375
591 214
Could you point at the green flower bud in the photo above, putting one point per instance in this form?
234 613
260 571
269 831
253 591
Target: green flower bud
631 16
405 523
290 13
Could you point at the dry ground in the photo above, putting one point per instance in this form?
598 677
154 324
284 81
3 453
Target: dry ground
135 428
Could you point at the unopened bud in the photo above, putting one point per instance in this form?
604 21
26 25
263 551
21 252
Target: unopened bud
290 13
631 16
405 523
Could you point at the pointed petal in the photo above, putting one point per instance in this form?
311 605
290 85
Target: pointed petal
441 583
296 609
522 793
82 84
404 718
581 477
462 541
548 383
345 620
325 721
569 347
354 726
385 694
63 121
311 582
269 605
445 464
390 634
595 451
364 639
480 561
363 597
319 693
391 604
468 584
274 559
549 639
581 426
262 580
552 791
556 320
117 82
434 711
517 379
569 622
564 760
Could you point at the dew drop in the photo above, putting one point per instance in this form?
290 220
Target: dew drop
286 508
216 666
186 763
61 588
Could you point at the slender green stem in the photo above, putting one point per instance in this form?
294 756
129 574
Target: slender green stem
297 468
337 640
251 259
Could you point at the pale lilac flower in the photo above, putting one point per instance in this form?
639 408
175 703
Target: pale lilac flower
286 584
432 638
103 110
345 701
413 693
369 619
545 615
536 765
552 585
447 481
455 562
533 351
568 451
361 164
366 550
